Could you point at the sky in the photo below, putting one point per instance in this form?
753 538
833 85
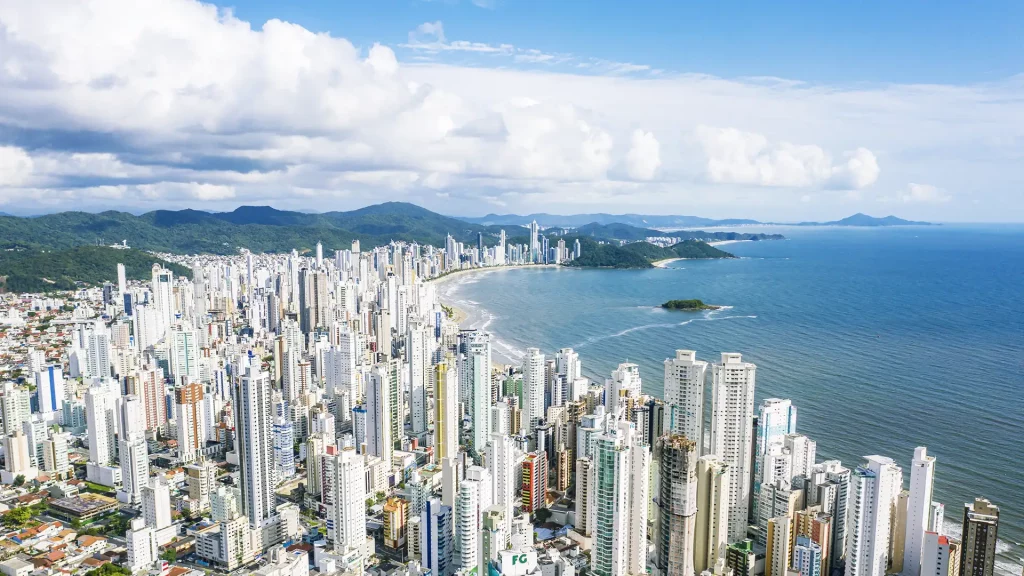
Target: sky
778 111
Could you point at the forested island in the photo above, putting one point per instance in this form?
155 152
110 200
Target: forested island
688 305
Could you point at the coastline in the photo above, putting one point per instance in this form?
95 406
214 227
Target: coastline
470 315
663 263
461 272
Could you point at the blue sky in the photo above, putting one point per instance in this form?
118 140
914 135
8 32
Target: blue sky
906 42
778 111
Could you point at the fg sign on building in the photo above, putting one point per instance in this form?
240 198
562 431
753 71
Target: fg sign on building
518 562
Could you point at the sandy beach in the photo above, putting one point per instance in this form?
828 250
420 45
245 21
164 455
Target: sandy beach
724 242
471 315
456 273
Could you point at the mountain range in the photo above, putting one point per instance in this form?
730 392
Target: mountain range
266 229
669 222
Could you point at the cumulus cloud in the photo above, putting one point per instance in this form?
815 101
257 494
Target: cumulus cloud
179 103
738 157
644 156
15 166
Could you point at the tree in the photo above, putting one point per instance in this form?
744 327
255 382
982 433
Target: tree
19 480
169 555
18 517
109 569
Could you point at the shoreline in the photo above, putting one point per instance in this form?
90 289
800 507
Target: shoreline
461 272
472 317
663 263
724 242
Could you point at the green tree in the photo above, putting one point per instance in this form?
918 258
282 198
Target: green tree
109 569
19 480
17 518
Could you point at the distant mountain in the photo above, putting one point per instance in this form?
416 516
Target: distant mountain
667 222
860 219
258 228
634 233
577 220
32 270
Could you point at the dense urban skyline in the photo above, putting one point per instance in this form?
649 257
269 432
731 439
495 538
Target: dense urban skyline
201 405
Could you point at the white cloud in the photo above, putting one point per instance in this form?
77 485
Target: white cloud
737 157
166 96
923 194
15 166
644 156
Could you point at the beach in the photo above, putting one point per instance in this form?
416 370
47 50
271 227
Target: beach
469 314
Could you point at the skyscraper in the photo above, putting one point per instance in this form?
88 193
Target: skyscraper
712 522
417 350
379 441
473 499
436 548
162 287
190 420
731 433
475 374
446 413
101 424
500 459
133 451
980 532
622 469
251 405
344 496
874 488
676 457
922 471
533 390
685 378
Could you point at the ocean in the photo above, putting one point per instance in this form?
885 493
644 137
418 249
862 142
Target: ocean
884 338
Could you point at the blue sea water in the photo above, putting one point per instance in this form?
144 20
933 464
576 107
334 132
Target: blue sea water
885 339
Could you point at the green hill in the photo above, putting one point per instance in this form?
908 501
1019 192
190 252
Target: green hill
258 228
639 254
33 270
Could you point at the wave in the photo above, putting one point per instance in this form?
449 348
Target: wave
1006 563
709 316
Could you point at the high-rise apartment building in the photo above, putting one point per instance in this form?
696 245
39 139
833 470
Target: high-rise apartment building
379 439
251 405
533 390
344 496
874 489
732 415
711 533
676 458
685 379
980 532
446 411
922 472
191 422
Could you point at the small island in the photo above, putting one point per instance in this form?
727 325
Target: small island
688 305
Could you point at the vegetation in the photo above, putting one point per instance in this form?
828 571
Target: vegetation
33 270
688 305
257 228
639 254
109 569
